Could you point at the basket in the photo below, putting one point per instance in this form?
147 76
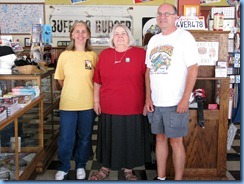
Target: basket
27 69
43 66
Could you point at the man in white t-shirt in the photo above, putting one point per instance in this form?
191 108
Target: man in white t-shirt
171 60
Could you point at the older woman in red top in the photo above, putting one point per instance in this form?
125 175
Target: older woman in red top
119 97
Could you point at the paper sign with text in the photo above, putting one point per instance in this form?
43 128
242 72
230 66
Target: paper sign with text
208 52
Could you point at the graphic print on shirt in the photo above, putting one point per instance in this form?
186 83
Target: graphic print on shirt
161 59
88 65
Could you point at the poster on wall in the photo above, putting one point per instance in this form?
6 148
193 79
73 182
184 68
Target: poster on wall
141 1
202 2
77 1
149 24
208 52
20 17
111 2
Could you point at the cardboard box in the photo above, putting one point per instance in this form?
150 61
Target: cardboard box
212 106
228 24
220 71
12 143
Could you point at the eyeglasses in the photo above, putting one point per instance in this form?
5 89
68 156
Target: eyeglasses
120 34
166 14
80 32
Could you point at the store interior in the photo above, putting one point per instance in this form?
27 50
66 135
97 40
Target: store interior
29 126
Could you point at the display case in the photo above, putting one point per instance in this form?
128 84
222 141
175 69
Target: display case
206 148
49 89
22 141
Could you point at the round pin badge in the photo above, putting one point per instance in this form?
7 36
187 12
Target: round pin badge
127 60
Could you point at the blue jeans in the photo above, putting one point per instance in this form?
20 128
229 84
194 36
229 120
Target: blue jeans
75 137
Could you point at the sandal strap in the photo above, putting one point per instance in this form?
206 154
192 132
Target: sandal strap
105 172
100 175
130 176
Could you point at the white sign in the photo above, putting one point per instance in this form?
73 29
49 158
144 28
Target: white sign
208 52
100 26
100 19
191 23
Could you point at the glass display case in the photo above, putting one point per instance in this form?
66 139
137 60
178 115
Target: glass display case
21 143
50 90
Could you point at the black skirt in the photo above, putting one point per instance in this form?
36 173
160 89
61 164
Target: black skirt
123 141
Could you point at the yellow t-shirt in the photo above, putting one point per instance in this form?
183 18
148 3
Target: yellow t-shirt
76 69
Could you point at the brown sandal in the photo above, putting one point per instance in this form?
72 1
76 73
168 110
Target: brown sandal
130 175
100 175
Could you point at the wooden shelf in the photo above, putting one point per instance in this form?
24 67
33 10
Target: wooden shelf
206 148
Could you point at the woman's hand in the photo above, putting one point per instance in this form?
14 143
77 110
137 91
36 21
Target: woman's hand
97 108
149 105
144 110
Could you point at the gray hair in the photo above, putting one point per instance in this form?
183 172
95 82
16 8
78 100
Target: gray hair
127 30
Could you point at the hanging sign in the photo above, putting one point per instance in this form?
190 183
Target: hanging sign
100 19
100 26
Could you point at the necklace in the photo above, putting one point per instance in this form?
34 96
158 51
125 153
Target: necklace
115 57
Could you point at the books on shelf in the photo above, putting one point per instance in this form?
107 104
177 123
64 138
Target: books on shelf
25 90
3 113
11 104
11 94
20 97
24 100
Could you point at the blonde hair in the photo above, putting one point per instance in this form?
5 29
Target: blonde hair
127 30
88 46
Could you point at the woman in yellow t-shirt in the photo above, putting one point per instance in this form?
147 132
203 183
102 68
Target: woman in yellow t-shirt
74 73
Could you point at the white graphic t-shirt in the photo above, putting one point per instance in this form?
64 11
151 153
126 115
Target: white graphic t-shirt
168 58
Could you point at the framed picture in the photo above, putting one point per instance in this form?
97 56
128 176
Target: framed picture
63 43
16 46
191 10
27 42
100 41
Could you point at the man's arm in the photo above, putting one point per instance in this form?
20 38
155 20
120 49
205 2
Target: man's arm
190 83
148 102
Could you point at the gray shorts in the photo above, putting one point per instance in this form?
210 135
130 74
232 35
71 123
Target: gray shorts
165 120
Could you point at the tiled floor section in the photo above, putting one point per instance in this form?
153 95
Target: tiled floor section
147 172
